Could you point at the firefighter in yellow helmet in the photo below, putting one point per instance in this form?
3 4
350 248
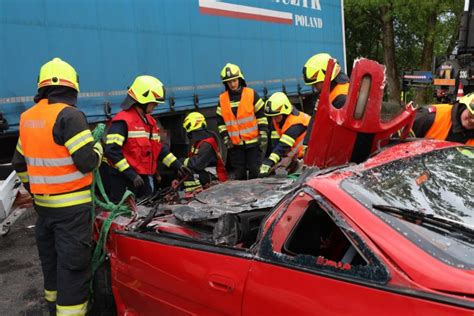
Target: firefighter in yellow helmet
204 157
241 123
451 122
288 131
132 143
54 158
314 72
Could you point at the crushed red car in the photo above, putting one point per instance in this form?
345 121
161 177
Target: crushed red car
392 235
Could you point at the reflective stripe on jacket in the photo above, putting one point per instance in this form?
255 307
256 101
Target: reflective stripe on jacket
142 146
50 167
243 127
301 118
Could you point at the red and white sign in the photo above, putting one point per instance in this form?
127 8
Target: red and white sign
220 8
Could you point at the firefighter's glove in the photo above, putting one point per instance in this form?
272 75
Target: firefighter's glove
184 171
263 141
138 181
99 150
228 143
264 171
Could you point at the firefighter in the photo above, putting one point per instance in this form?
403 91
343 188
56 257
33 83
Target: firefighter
451 122
132 143
314 72
203 155
241 123
288 131
54 158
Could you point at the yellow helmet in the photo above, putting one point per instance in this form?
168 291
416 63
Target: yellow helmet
278 104
468 101
146 89
194 121
231 71
57 72
314 70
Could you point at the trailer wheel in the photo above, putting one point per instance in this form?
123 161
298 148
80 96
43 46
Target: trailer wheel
103 303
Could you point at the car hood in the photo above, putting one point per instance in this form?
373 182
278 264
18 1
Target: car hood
232 197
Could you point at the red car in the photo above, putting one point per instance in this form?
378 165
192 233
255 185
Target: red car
391 236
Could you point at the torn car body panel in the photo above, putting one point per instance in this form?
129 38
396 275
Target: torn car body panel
351 133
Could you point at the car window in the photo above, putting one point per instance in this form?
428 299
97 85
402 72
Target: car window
309 233
437 184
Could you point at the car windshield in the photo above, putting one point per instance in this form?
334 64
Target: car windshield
439 184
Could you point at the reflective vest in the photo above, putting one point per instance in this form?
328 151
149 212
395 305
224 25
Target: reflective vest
291 120
220 166
244 127
143 146
342 88
50 167
442 123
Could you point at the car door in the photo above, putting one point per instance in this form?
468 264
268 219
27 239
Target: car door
170 275
312 262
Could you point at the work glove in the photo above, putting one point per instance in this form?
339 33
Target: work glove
264 171
184 171
99 150
263 142
138 182
228 143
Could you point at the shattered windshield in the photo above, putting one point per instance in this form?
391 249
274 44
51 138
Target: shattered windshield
439 183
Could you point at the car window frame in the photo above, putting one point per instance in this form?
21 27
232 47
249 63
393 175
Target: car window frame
379 275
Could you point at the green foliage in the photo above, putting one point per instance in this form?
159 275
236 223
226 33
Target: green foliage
364 29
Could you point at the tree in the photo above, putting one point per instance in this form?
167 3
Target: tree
388 44
403 35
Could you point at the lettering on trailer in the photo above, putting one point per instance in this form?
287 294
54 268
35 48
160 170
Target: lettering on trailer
225 8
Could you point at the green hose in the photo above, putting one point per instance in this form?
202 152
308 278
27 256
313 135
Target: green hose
120 209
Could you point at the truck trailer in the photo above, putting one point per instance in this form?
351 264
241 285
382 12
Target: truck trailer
185 43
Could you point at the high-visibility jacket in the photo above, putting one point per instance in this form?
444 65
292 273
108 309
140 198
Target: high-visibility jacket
143 146
442 123
244 127
50 167
291 120
342 88
220 166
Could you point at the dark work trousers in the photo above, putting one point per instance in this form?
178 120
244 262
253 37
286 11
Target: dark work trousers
243 159
64 241
119 183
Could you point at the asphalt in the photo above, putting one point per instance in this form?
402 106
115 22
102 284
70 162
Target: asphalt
21 280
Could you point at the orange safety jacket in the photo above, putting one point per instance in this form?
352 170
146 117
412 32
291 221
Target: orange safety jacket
50 167
442 124
143 146
291 120
244 127
339 89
